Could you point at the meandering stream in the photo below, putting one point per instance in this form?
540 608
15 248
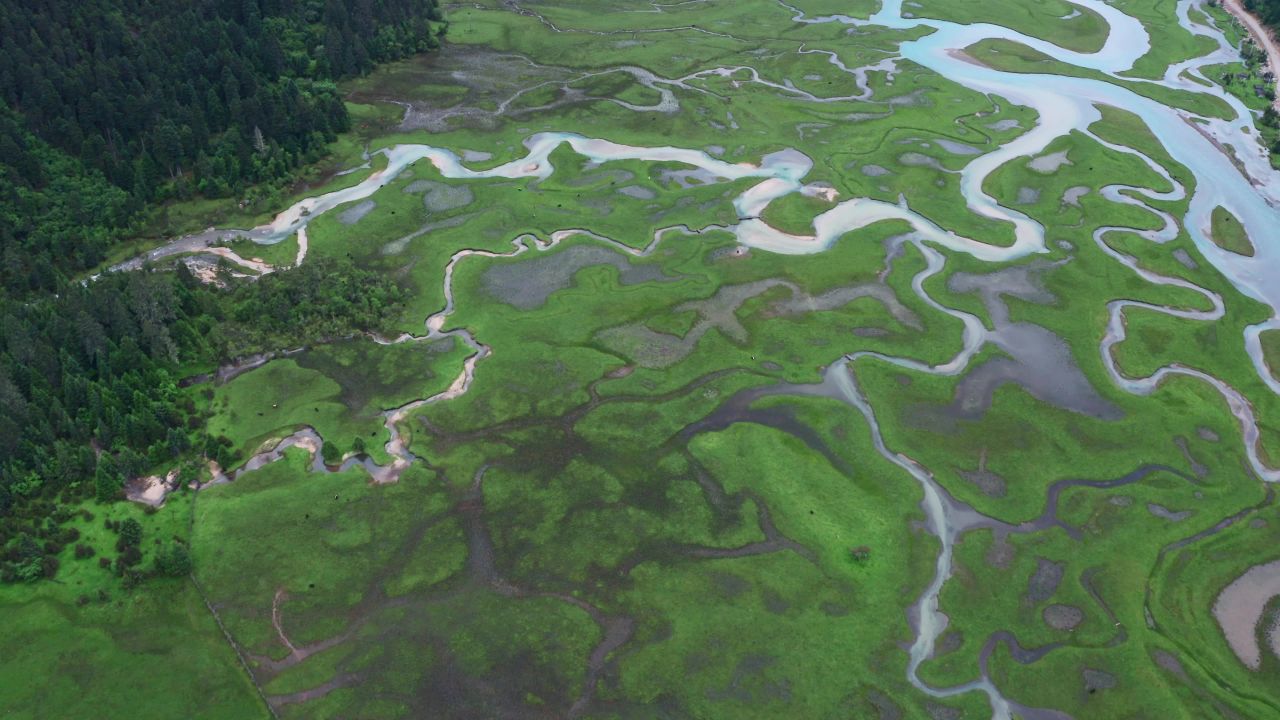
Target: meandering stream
1244 183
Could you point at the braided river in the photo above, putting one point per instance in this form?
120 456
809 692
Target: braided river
1224 157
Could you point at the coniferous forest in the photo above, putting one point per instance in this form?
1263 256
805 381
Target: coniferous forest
1267 10
108 107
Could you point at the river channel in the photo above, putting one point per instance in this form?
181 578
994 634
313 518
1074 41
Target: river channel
1243 182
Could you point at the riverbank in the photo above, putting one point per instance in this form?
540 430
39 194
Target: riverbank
1262 35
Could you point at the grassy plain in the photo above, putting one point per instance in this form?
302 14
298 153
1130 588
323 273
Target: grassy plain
1228 234
1062 23
89 646
1170 42
281 254
1270 341
339 389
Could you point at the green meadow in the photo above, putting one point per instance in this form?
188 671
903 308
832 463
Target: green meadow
649 501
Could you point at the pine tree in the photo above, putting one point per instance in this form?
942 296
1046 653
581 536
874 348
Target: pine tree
107 484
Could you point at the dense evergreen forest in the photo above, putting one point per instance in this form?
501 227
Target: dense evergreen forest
89 379
107 107
1267 10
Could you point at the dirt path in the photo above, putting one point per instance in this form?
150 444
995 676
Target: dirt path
1261 35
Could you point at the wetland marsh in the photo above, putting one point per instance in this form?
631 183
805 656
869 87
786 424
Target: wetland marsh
764 359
